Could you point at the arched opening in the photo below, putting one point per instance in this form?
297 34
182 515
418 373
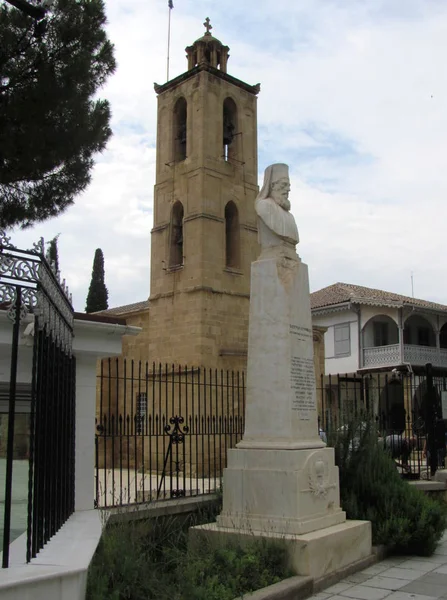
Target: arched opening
229 129
180 130
381 330
419 332
443 336
392 413
232 236
176 236
380 337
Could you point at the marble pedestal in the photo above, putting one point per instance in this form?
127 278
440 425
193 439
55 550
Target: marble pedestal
281 407
318 554
281 491
281 481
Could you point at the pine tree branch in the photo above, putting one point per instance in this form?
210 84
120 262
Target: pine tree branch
35 12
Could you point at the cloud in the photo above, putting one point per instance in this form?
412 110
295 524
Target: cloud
353 97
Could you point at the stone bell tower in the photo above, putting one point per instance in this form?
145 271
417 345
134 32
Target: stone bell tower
204 237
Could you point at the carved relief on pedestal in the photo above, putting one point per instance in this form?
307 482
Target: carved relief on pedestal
318 478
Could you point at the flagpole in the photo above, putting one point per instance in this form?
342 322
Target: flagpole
170 6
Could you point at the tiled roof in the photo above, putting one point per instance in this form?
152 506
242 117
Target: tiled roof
345 292
124 310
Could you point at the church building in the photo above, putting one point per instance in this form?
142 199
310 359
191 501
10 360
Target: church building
204 236
203 242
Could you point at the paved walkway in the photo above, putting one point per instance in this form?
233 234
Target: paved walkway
396 578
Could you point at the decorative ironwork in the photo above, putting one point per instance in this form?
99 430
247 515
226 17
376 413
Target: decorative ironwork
177 434
29 289
17 311
5 240
42 292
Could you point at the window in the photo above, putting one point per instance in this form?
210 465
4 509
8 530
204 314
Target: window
180 130
176 236
229 129
381 337
342 339
141 412
232 238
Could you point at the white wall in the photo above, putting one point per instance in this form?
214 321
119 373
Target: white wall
368 312
333 364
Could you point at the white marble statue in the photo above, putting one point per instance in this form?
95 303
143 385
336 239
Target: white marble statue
276 224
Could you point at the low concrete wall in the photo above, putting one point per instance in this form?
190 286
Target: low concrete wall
60 569
160 508
434 488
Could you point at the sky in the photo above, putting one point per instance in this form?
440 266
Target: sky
353 97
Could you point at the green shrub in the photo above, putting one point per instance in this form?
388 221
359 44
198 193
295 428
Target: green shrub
402 517
149 559
227 573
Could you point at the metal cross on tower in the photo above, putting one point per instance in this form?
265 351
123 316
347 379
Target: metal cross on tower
207 26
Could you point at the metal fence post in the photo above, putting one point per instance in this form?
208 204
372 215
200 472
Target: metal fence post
11 420
430 421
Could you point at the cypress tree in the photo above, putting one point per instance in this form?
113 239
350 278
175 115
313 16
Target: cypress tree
97 298
52 253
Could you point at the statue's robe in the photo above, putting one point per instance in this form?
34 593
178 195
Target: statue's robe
276 224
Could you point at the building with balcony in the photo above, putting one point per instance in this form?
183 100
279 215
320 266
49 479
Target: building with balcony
377 345
373 330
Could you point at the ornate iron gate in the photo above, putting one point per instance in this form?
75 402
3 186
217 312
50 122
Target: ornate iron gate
39 308
163 431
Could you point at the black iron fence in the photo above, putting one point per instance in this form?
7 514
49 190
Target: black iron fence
407 410
163 432
41 386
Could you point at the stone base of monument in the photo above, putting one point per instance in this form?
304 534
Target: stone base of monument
316 554
281 491
291 496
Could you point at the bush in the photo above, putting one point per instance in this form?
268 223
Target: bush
150 559
403 518
227 573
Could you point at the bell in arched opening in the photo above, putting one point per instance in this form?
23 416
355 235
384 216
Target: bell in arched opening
176 236
180 130
229 129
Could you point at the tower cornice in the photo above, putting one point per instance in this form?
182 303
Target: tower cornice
173 83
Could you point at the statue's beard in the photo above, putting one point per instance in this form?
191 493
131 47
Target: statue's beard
284 203
281 199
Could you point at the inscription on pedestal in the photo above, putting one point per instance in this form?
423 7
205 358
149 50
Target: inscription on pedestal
302 381
303 334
